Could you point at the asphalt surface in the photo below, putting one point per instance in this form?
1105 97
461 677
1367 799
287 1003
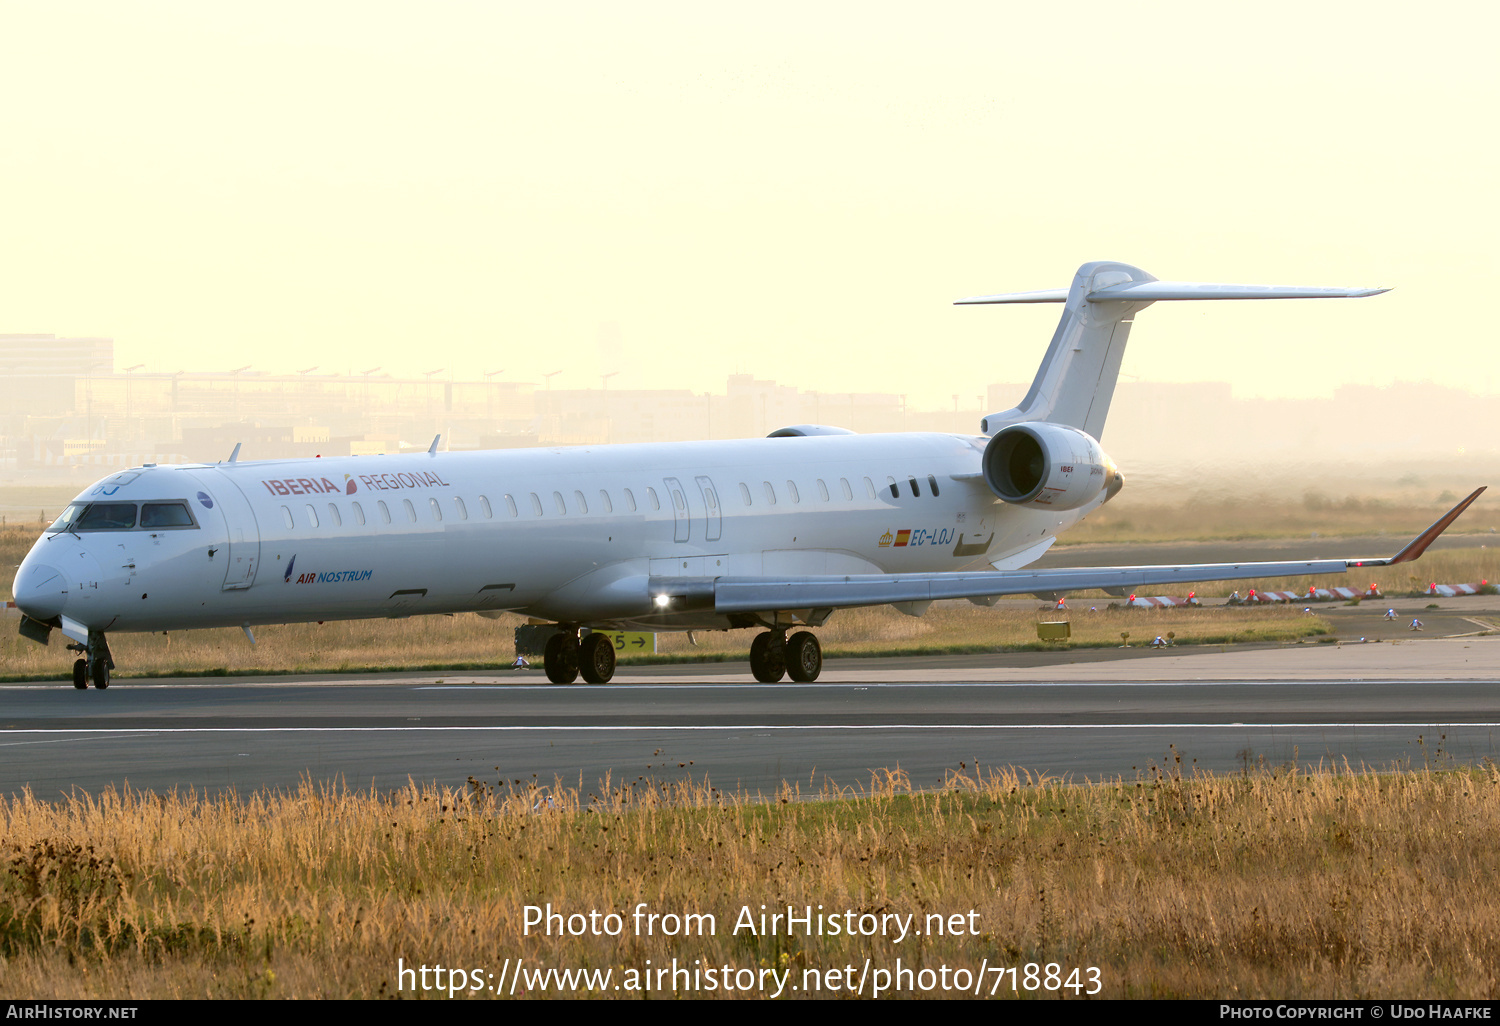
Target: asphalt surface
1409 698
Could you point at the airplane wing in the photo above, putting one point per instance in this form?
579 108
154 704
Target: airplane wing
761 594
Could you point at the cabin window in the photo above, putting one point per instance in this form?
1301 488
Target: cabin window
334 519
583 506
437 509
484 507
411 511
770 493
510 504
894 487
651 494
286 514
745 493
385 511
630 500
359 513
848 492
822 490
870 487
677 500
917 492
604 499
312 516
463 511
536 504
562 507
932 481
791 488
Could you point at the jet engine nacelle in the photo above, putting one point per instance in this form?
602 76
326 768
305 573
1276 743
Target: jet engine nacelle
1049 466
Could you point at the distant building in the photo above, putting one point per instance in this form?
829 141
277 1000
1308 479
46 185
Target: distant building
63 405
40 374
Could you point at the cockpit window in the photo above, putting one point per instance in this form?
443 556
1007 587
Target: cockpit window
165 514
65 521
122 516
107 516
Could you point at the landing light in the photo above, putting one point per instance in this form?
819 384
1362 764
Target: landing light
662 601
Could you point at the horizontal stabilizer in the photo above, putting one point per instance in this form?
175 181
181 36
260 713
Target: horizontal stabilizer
1044 296
1156 291
1159 291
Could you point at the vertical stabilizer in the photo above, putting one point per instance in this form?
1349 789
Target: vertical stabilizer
1076 381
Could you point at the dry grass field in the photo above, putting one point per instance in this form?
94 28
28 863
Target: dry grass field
1274 883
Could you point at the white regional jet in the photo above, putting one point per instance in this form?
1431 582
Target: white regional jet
775 533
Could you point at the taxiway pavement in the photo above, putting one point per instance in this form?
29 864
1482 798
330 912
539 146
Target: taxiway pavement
1090 714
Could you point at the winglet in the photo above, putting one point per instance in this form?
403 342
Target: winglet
432 449
1418 545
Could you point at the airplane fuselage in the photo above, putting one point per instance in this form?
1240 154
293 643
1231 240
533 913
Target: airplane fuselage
564 534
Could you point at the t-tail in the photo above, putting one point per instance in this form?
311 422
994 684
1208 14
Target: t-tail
1076 381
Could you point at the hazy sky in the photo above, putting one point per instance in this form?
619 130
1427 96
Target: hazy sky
682 191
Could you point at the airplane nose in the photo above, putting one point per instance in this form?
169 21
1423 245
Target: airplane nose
40 591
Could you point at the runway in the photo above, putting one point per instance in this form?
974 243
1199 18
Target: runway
1082 715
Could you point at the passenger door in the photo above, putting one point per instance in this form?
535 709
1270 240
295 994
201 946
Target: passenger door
243 555
713 518
681 517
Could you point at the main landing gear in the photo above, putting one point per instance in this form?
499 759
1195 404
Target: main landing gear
774 655
566 657
95 665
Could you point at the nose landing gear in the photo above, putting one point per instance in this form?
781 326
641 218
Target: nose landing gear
95 665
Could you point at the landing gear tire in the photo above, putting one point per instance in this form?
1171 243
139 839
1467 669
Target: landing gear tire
768 657
597 659
100 673
81 675
561 658
804 657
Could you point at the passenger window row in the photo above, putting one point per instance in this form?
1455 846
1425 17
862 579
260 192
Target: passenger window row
580 504
848 491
